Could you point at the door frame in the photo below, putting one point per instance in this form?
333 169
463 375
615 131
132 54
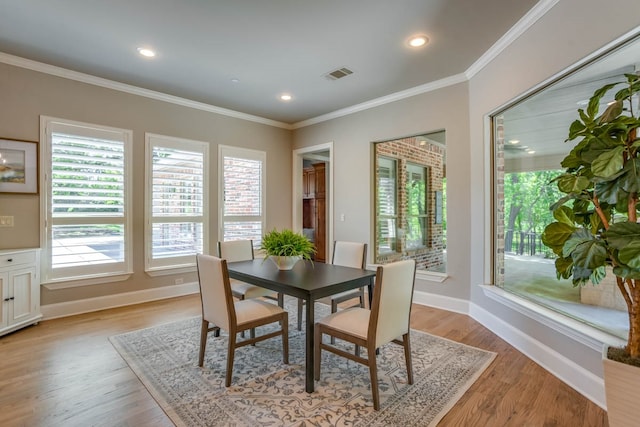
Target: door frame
296 197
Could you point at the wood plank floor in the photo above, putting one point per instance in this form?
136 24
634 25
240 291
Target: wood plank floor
64 372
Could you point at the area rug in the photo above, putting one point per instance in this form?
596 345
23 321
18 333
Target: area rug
266 392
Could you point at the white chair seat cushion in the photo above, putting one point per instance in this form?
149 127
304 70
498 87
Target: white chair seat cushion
251 309
251 291
354 321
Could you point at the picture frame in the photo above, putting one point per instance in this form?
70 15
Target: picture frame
18 166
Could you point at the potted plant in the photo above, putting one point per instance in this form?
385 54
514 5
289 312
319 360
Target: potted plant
596 230
286 247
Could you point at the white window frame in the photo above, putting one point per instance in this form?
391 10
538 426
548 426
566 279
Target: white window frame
97 273
182 263
244 153
422 170
393 165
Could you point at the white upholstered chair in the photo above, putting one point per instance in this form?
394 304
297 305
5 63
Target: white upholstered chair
387 321
347 254
219 311
242 250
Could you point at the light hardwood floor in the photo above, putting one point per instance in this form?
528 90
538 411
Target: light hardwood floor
64 372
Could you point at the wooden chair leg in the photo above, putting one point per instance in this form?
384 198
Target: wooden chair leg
230 355
300 304
334 308
285 338
317 352
280 300
204 330
407 357
373 373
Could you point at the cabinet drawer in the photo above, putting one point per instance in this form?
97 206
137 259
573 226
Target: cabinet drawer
9 259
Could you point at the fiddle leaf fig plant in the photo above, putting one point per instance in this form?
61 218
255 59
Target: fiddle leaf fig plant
595 223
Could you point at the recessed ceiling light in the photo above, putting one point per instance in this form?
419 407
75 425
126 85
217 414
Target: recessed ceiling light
418 41
144 51
285 97
531 151
514 141
235 81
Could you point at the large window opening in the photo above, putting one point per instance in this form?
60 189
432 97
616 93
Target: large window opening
528 145
410 201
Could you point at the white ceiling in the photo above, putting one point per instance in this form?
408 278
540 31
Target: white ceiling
270 46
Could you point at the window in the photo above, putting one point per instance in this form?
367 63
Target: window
528 152
86 200
410 202
416 206
387 215
177 202
241 191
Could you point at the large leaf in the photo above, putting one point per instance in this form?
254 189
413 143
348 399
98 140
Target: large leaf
630 254
613 110
564 267
626 272
608 191
622 234
556 234
594 102
589 255
565 215
630 181
608 163
572 184
581 275
578 237
597 275
575 129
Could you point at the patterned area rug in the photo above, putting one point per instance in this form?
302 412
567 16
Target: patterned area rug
266 392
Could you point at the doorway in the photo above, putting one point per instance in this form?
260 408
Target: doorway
313 196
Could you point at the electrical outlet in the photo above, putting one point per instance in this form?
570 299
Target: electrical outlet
6 221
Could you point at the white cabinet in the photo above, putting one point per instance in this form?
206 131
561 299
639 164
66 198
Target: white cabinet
19 289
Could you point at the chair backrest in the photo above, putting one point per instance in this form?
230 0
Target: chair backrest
349 254
236 250
215 291
391 305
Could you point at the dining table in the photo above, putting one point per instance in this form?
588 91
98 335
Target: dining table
308 280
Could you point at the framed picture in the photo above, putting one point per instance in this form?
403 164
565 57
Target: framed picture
18 166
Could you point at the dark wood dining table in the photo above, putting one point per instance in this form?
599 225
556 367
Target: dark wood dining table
307 280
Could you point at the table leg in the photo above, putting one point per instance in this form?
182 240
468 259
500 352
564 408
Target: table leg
309 381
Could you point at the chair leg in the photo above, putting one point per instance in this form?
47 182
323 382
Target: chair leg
334 308
204 330
285 338
300 303
241 333
317 352
407 357
280 300
230 355
373 373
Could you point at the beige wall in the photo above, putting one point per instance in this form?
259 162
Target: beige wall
353 137
25 95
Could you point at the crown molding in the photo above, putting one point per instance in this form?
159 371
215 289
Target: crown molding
417 90
134 90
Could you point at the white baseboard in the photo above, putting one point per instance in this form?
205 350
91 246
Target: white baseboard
70 308
456 305
583 381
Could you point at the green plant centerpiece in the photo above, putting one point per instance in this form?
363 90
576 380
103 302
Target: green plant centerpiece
280 246
595 223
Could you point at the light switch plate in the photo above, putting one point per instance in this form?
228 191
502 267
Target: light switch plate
6 221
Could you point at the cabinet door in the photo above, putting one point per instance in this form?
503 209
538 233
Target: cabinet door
320 226
4 310
21 288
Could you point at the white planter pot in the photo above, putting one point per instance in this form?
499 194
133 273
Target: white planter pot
285 262
621 385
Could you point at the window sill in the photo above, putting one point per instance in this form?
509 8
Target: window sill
432 276
565 325
55 285
166 271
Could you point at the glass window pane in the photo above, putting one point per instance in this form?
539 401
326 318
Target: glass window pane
177 182
242 187
243 230
82 245
176 239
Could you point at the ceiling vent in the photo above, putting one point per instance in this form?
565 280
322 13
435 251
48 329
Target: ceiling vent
338 74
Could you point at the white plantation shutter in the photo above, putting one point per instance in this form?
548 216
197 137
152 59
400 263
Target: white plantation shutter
177 213
416 230
242 194
387 201
87 224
